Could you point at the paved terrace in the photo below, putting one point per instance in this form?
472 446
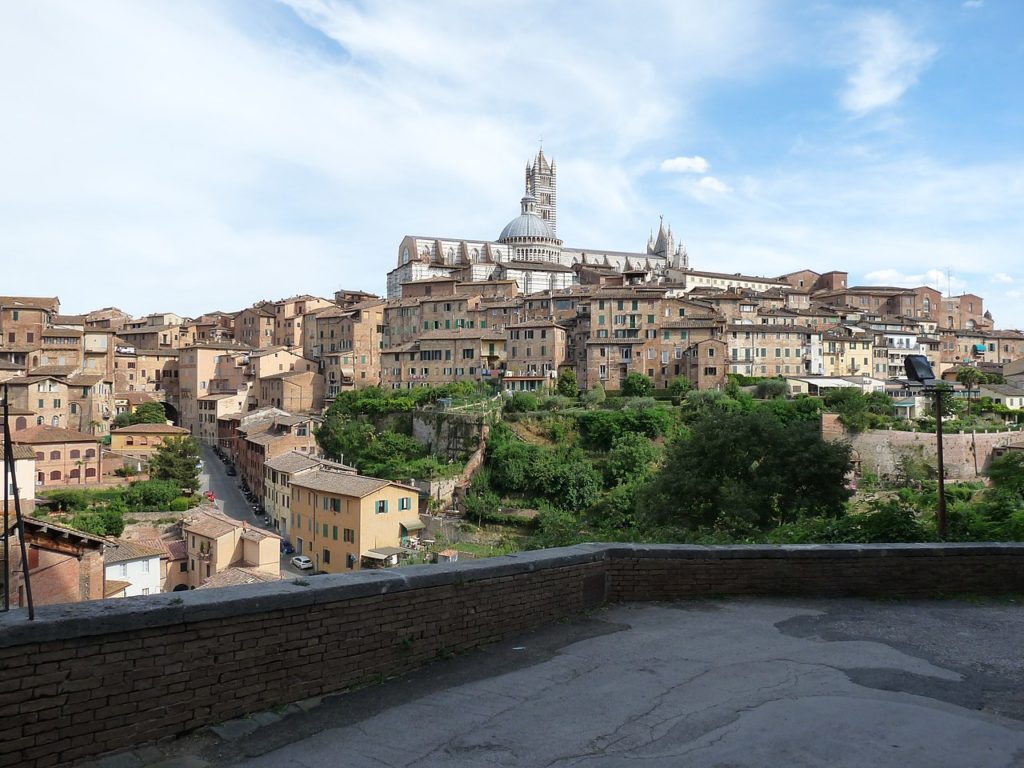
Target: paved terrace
577 667
696 683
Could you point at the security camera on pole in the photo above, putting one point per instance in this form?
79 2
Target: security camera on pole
920 370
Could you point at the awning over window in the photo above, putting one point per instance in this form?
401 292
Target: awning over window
414 525
382 553
979 347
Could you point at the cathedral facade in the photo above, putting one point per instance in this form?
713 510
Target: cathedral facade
528 249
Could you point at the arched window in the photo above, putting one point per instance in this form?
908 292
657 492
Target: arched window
74 474
39 420
75 453
74 408
40 456
54 455
56 421
129 440
90 453
55 475
20 423
90 472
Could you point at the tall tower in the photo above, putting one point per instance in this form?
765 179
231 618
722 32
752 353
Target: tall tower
542 182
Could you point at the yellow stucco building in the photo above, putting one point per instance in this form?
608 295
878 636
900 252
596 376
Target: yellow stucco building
344 522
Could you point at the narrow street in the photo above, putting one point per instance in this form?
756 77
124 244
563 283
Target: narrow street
231 501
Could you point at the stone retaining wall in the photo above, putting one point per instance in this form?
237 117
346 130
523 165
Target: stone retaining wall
90 678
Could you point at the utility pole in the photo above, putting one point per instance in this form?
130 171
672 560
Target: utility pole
941 518
11 485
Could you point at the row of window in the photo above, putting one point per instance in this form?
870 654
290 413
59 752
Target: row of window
74 453
56 476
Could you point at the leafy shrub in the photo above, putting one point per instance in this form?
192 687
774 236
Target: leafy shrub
770 389
637 385
70 500
557 403
680 386
567 384
180 504
522 402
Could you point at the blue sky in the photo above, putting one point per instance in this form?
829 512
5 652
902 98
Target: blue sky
197 155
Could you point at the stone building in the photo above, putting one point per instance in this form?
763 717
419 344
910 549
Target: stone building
347 343
774 350
65 565
536 350
443 356
63 456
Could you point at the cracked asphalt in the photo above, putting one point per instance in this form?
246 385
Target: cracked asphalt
704 683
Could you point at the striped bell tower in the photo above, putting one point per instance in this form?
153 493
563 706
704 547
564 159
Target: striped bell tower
542 183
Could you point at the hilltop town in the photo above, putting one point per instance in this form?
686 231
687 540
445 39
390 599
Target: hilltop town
520 314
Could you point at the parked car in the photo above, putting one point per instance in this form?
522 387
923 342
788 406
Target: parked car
287 548
266 519
231 470
302 562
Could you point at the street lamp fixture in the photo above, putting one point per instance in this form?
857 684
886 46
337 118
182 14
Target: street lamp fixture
920 370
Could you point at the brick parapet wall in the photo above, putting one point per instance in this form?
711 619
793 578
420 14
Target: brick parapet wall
90 678
843 570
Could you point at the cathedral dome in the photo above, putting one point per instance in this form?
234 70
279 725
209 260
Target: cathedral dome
527 224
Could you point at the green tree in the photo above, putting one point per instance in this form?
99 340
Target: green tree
595 396
148 413
851 405
747 471
630 458
565 478
1007 472
567 384
680 386
770 389
637 385
969 377
177 460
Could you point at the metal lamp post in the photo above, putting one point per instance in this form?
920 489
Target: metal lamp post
920 370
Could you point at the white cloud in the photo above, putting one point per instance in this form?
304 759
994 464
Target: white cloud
1001 277
711 184
695 164
973 3
235 135
886 60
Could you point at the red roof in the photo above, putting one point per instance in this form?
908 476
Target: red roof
45 434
